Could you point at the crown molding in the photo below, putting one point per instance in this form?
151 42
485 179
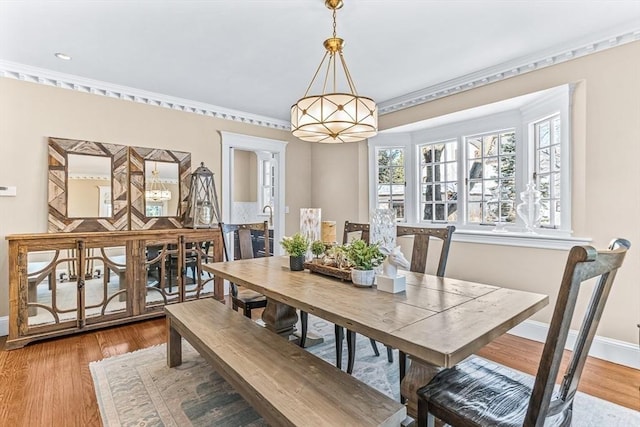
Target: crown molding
87 176
578 48
17 71
595 43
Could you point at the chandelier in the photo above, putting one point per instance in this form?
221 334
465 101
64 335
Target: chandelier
336 116
156 190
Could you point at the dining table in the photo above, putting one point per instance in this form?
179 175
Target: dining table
436 321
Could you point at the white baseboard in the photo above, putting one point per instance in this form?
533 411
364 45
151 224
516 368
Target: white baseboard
615 351
4 326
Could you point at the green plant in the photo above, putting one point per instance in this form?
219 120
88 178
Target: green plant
364 256
318 248
295 245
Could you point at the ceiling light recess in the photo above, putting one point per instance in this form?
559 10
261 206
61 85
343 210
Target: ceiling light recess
338 116
62 56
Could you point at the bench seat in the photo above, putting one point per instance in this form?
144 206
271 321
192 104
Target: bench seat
285 384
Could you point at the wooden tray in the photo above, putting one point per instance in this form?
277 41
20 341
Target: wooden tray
328 271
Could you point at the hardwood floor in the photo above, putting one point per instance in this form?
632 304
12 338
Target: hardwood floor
49 383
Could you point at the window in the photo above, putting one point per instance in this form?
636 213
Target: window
439 181
155 208
548 167
490 182
390 172
267 183
266 179
469 168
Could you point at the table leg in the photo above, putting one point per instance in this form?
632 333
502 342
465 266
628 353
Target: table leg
174 346
418 375
279 318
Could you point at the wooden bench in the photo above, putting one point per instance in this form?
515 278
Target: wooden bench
285 384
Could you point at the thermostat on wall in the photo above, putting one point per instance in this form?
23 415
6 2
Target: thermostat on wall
7 191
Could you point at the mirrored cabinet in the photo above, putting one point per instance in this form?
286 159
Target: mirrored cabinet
62 283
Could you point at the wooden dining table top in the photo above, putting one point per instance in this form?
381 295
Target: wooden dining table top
438 320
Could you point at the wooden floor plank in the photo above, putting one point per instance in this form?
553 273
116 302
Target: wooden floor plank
49 383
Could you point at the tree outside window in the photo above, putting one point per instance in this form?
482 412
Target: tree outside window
391 181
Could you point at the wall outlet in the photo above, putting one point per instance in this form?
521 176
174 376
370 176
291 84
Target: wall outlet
8 191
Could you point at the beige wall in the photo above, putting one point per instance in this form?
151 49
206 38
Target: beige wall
30 112
605 196
245 176
83 197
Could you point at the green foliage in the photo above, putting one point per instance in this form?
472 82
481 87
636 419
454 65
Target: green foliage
318 248
364 256
295 245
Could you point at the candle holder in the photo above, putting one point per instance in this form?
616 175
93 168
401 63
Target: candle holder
329 232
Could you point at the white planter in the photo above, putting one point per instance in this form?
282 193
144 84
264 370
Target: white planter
362 278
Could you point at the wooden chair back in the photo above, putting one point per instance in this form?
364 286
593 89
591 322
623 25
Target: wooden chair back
245 240
351 227
421 239
584 263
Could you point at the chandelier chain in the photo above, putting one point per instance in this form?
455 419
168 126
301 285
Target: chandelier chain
334 24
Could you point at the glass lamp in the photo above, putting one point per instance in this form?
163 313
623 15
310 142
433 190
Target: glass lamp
336 113
202 206
310 226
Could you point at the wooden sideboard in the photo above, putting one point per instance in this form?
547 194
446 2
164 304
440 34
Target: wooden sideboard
64 283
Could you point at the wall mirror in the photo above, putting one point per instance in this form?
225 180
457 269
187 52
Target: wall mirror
88 186
159 187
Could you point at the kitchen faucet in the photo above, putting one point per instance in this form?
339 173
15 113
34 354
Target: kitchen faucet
264 209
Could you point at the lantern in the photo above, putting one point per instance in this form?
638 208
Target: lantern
202 206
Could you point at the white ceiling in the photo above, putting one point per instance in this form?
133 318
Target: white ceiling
258 56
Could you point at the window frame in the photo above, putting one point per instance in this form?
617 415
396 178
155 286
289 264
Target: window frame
405 164
555 101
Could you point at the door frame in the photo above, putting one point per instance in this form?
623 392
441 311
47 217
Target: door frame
235 141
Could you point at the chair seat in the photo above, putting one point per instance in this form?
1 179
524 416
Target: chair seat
247 295
483 393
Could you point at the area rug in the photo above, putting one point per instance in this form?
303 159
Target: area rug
137 389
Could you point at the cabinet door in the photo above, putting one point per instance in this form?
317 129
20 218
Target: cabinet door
68 288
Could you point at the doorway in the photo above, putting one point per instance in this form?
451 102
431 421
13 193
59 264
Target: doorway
253 171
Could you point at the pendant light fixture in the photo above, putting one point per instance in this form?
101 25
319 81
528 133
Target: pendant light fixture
156 190
335 116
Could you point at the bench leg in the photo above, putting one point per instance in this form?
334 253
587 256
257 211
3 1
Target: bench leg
174 346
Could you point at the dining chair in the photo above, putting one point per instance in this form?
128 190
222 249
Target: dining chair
422 237
246 299
352 231
477 392
190 263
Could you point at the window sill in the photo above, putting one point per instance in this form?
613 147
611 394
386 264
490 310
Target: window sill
511 238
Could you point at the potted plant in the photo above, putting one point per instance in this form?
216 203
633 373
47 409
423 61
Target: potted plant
318 248
296 246
364 257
